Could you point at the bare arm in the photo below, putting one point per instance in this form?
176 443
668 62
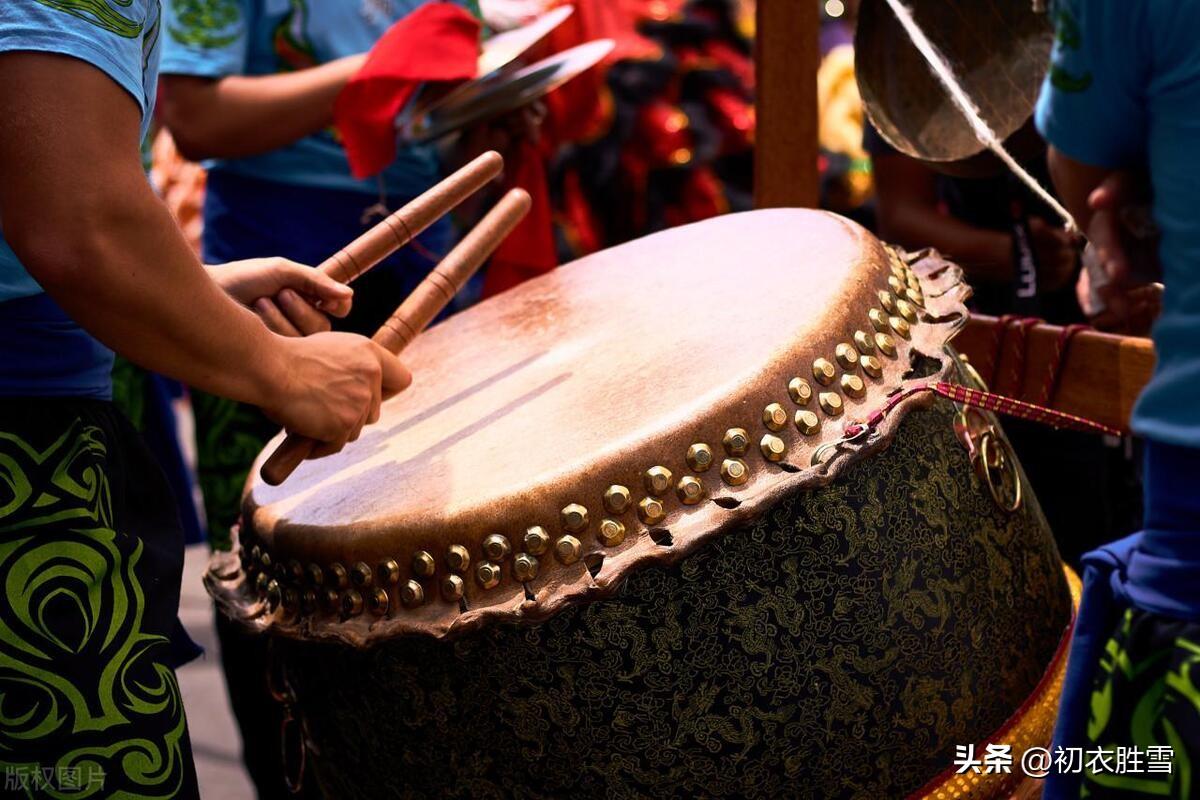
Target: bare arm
79 213
909 216
240 115
1075 182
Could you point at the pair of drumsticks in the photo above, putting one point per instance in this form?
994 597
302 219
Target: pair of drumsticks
436 291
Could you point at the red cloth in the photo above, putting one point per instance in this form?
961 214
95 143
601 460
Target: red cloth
437 42
529 250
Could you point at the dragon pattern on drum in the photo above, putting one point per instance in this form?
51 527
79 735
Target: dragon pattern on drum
616 543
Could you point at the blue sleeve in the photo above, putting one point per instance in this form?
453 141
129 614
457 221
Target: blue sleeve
205 38
107 35
1092 106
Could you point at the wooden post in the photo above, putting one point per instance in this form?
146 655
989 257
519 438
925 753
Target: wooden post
787 55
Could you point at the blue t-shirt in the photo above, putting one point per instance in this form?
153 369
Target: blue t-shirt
44 352
1124 92
216 38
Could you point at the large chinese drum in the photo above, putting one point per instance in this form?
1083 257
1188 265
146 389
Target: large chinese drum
615 541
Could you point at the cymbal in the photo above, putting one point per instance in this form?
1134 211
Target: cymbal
499 93
999 50
503 49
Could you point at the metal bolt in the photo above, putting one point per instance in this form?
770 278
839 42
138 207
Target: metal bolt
734 471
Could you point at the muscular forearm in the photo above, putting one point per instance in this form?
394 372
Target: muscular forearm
126 275
238 116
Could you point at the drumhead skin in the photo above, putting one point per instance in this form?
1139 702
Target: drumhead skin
678 383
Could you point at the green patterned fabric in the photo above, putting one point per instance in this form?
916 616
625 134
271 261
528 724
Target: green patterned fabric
103 13
1147 695
840 646
229 436
91 556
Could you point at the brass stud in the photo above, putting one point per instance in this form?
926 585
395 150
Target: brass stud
657 480
568 549
734 471
331 600
452 588
274 594
900 326
915 297
574 518
338 577
800 391
846 355
896 284
611 532
362 574
853 386
689 490
488 574
316 575
864 342
888 301
255 553
308 602
906 310
823 371
457 558
352 604
295 570
807 422
887 345
616 500
700 457
379 602
736 441
913 281
774 417
525 567
496 547
423 565
412 594
651 511
537 541
264 560
831 403
773 448
388 573
879 320
871 366
261 582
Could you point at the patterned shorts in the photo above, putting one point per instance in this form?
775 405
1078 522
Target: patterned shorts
1146 702
91 557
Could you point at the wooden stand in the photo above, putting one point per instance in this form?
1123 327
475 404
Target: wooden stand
787 55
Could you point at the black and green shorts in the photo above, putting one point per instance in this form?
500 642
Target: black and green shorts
91 558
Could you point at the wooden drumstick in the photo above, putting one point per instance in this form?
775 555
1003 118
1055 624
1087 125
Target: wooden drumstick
419 309
402 227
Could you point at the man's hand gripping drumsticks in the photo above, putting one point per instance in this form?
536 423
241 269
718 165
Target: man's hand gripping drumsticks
413 315
294 300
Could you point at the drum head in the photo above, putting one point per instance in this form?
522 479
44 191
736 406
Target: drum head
999 51
615 411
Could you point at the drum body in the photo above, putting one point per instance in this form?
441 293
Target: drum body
832 624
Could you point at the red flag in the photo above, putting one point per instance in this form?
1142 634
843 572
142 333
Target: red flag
437 42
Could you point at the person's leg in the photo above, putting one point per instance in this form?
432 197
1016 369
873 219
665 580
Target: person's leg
91 558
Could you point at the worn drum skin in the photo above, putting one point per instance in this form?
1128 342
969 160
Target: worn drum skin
615 542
